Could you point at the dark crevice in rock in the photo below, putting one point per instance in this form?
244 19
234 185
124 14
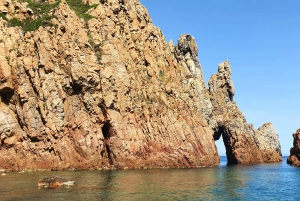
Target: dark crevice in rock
77 89
33 138
48 71
18 112
7 90
6 97
103 109
42 118
107 132
103 1
31 82
147 63
109 154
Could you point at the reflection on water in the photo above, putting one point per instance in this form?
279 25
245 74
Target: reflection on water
231 180
275 181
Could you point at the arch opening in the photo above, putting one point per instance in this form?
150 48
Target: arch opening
224 146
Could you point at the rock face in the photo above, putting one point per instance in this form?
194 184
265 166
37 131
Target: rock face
186 53
294 158
243 143
15 9
109 92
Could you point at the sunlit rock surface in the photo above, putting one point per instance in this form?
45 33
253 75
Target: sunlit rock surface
243 143
110 92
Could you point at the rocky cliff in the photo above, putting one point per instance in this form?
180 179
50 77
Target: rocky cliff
243 143
105 90
294 158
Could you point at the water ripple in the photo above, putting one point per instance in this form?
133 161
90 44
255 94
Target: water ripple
275 181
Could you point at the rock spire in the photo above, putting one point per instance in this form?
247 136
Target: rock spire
243 143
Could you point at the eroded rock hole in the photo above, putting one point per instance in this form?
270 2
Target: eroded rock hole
107 132
6 96
77 89
222 133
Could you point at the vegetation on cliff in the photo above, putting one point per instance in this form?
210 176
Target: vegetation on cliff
42 17
80 8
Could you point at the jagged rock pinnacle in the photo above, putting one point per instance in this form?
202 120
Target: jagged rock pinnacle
243 143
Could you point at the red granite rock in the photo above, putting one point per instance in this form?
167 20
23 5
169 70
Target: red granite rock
105 93
294 158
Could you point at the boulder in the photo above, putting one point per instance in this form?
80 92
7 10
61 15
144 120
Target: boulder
55 182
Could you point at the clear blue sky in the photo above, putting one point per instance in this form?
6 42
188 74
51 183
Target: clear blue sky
261 39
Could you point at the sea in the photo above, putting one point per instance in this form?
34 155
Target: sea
269 181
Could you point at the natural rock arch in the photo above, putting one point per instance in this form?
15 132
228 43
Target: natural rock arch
243 143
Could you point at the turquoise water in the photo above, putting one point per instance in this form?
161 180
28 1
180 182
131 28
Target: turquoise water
275 181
